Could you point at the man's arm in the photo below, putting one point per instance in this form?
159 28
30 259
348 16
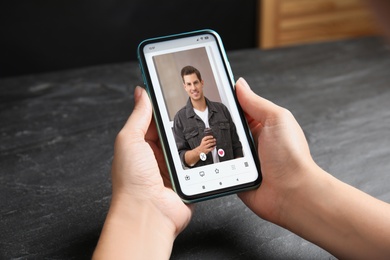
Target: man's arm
181 142
235 140
190 156
193 156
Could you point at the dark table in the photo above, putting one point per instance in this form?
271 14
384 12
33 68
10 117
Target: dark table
56 144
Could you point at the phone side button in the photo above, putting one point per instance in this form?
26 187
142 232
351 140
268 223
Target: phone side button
142 73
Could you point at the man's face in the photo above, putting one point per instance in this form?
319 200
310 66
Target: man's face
193 86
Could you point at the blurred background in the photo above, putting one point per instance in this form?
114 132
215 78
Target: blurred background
44 35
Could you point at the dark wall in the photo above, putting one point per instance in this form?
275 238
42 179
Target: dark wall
47 35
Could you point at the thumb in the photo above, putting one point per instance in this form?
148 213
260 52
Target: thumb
138 123
258 108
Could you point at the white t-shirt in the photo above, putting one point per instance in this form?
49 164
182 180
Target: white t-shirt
204 115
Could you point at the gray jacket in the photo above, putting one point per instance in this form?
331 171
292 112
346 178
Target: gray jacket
188 131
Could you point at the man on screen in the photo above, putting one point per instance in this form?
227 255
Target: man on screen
204 130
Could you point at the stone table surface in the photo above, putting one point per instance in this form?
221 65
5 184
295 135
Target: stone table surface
56 145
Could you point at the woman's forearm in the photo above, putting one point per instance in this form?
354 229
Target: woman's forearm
135 229
338 217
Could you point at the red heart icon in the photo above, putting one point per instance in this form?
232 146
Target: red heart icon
221 152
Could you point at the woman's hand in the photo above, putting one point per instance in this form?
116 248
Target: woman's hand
283 152
145 214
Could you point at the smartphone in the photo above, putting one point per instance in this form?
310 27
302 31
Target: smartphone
207 144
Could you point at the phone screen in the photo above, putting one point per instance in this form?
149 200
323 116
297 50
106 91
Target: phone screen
207 144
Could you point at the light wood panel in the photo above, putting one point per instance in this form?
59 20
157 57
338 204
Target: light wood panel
286 22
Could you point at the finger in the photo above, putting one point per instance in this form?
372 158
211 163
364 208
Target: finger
152 133
207 138
153 140
138 123
211 143
256 107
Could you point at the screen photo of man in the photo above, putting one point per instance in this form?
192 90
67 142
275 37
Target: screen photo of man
203 129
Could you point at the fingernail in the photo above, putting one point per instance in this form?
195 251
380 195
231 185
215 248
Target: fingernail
244 83
137 92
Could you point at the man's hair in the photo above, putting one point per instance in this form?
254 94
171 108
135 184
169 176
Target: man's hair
188 70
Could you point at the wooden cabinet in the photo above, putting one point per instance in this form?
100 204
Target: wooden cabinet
287 22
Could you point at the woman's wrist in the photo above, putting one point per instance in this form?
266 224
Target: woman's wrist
303 195
336 216
136 228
